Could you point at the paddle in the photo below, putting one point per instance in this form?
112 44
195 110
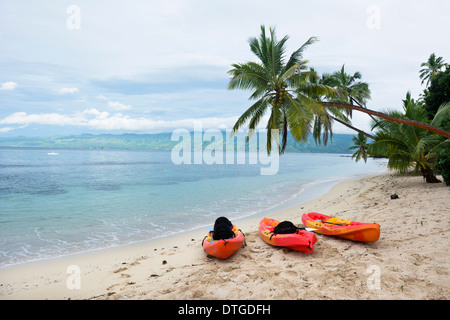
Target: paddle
337 224
308 229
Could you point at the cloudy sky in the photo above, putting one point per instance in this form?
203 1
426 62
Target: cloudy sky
144 66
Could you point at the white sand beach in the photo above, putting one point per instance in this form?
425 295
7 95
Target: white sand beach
411 260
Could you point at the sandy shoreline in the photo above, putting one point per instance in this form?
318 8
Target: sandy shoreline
410 261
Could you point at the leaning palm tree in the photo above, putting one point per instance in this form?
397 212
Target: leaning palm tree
431 68
408 146
352 90
280 87
391 117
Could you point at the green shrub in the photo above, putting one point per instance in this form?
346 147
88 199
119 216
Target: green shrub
443 166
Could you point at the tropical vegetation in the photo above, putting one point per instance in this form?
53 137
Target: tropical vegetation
361 146
300 101
437 94
431 68
350 86
443 165
407 146
281 87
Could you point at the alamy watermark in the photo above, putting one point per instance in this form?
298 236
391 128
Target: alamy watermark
191 148
73 22
73 281
374 280
374 18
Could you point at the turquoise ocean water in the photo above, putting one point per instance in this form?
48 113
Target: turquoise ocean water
58 203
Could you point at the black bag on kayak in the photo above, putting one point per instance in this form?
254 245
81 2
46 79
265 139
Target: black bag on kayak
223 229
285 227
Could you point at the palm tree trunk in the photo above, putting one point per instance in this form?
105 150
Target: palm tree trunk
285 132
428 175
353 128
419 124
359 105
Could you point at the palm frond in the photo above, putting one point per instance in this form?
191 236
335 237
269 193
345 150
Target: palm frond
442 114
297 55
255 111
257 45
248 76
258 114
292 71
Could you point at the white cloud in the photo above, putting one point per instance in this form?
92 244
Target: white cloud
96 113
68 90
118 106
9 85
23 118
102 120
6 129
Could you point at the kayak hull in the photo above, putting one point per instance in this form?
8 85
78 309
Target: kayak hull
223 249
302 241
346 229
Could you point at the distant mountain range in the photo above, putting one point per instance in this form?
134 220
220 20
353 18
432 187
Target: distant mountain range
160 141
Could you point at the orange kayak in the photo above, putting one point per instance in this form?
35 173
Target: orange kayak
300 241
223 249
351 230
